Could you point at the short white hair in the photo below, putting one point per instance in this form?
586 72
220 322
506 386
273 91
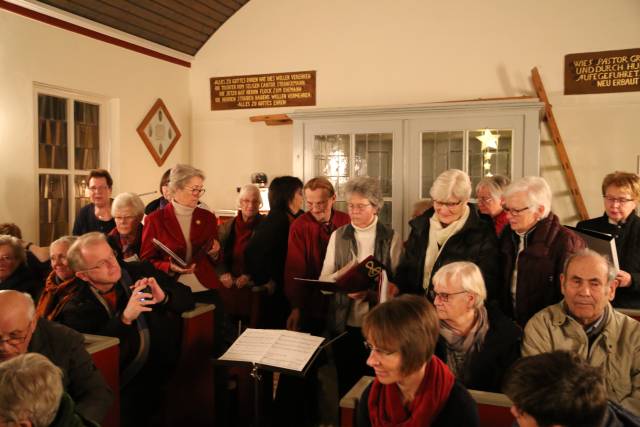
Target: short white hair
128 200
469 276
495 185
451 183
537 191
249 189
30 389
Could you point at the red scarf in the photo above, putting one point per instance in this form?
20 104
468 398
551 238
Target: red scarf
385 401
55 296
499 222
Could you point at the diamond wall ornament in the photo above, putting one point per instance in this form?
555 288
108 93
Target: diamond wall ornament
159 132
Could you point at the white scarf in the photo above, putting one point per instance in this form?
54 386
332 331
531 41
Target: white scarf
438 237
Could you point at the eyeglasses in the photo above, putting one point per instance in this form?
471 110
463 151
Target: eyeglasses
99 188
358 206
104 263
620 201
444 296
514 211
253 202
484 199
448 205
14 341
195 190
7 258
377 350
124 218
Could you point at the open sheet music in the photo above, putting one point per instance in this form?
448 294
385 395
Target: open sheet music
276 349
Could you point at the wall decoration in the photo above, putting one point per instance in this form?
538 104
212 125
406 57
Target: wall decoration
159 132
602 72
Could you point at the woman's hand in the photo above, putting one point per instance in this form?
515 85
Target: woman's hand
243 280
358 296
392 290
188 270
215 249
227 280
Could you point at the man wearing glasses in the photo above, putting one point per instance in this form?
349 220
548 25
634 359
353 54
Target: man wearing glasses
21 332
534 246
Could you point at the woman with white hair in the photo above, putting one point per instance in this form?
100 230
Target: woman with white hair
61 284
127 210
452 230
477 342
489 195
534 247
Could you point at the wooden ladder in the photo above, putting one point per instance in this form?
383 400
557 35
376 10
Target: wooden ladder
560 149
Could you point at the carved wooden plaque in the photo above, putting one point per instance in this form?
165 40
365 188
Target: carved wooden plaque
263 90
159 132
602 72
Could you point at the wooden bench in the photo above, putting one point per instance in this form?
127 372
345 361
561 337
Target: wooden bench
105 352
631 312
493 408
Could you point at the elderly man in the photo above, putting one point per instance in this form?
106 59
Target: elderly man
586 323
308 239
534 247
22 332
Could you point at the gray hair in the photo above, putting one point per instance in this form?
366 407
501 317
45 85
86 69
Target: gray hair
495 184
28 300
537 191
180 175
368 187
75 259
67 240
30 389
451 183
249 189
128 200
16 246
589 253
469 276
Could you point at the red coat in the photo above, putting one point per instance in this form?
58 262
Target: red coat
163 225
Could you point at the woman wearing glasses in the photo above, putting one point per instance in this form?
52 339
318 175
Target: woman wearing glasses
412 386
621 191
127 210
477 342
534 247
186 229
96 216
489 194
452 230
350 244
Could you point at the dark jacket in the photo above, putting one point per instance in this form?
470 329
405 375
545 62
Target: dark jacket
476 241
155 204
24 280
547 246
485 369
460 409
88 314
82 380
67 416
627 237
617 416
113 238
87 221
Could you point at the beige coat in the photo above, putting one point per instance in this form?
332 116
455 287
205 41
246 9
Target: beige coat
617 348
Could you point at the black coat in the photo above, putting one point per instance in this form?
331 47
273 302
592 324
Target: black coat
476 241
24 280
485 369
627 237
547 246
82 380
87 221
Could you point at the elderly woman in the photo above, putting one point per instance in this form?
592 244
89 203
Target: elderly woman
127 210
364 236
534 247
14 273
266 251
96 216
489 194
412 386
60 286
621 192
37 256
450 231
187 230
477 342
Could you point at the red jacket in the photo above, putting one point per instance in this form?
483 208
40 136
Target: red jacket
163 225
308 240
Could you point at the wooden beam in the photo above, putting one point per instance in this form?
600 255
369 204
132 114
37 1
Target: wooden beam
272 119
557 141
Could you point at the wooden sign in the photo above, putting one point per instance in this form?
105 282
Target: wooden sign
263 90
602 72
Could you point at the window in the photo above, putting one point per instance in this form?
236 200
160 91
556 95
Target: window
69 135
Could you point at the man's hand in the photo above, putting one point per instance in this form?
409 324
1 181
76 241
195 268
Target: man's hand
227 280
623 278
293 322
138 301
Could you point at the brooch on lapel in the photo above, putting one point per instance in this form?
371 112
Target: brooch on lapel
197 221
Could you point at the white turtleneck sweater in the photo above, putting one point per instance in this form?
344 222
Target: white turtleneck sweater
184 214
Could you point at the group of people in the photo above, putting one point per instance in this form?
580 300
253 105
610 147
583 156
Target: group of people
473 288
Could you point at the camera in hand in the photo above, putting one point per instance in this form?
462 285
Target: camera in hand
145 290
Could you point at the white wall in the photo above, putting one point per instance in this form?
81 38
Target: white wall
30 52
380 52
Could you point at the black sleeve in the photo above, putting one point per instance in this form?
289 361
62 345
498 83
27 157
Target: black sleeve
409 265
180 297
362 410
460 409
80 225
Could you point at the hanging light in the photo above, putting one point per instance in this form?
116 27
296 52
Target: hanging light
488 140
